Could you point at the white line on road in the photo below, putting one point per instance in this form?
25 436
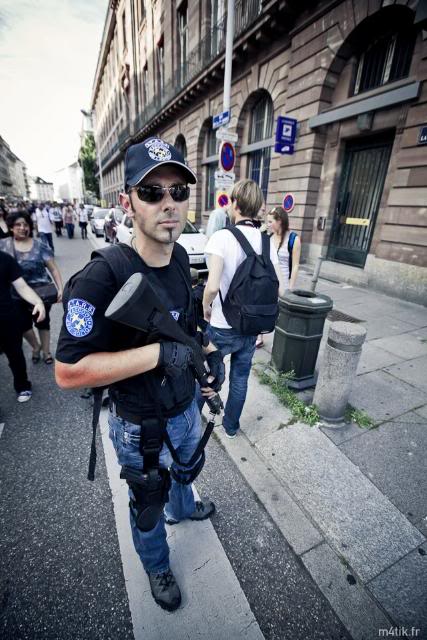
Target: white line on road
1 428
213 607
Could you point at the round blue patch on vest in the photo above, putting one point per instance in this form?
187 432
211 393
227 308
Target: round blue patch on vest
79 321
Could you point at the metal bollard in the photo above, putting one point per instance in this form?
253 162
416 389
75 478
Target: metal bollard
338 370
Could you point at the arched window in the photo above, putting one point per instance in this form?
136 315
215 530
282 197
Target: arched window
260 132
386 59
181 145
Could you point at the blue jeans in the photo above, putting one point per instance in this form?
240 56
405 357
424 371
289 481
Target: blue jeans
184 432
242 349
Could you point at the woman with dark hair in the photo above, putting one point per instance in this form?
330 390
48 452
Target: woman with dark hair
4 230
288 247
10 322
34 257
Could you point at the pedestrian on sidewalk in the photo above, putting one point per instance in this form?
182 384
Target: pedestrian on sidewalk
69 219
56 217
36 260
287 245
10 322
83 220
151 387
44 225
226 254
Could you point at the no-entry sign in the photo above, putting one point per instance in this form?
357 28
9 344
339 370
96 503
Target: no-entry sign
288 202
227 156
222 199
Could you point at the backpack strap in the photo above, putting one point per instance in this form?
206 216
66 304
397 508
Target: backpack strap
242 240
265 247
291 242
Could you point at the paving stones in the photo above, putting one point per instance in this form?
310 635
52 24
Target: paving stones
406 346
393 457
383 397
343 503
413 372
402 590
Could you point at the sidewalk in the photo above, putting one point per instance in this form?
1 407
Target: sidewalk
352 502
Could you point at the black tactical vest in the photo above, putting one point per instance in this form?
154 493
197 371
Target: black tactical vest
140 393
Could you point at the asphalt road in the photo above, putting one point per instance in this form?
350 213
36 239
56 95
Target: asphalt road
60 566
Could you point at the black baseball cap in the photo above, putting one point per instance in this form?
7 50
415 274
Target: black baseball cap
144 157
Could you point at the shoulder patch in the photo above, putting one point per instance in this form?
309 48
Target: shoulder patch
79 321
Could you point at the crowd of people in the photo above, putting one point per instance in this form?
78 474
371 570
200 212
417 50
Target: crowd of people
30 283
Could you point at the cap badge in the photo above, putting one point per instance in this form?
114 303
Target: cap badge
158 150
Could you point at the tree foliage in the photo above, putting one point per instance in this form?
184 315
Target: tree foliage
87 160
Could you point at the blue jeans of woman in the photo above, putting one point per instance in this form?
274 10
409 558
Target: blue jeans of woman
242 349
184 432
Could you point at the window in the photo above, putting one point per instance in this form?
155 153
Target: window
161 68
145 84
181 146
385 60
261 130
211 162
182 43
124 29
217 26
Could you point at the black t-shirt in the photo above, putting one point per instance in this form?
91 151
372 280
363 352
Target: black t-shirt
9 272
85 329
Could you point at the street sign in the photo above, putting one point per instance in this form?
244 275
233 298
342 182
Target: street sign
289 202
286 133
286 148
422 138
226 135
286 129
227 156
222 199
220 119
225 176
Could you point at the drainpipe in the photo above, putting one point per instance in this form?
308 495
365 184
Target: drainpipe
228 55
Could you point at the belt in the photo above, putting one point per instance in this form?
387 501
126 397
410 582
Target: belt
135 418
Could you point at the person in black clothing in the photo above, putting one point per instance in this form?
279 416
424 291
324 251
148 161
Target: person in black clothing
4 229
152 386
10 324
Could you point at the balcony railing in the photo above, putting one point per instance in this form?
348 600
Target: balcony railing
124 134
211 46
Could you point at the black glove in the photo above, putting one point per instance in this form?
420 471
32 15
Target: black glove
216 369
175 357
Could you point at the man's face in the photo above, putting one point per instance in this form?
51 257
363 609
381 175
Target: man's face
161 221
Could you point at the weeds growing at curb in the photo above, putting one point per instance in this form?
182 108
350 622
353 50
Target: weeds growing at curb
279 386
359 417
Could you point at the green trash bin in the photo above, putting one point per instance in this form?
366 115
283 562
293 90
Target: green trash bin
298 333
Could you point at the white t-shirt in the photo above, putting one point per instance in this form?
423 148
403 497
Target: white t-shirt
222 243
83 217
43 221
283 255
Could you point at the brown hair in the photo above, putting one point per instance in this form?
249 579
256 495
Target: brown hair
249 198
281 216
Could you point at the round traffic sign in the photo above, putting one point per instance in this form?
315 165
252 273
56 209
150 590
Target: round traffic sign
288 202
223 199
227 156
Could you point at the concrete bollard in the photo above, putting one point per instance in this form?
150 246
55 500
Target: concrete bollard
338 370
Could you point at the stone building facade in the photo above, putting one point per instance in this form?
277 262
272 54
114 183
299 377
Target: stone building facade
352 72
13 174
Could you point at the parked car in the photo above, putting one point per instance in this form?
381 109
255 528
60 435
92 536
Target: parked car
193 241
97 221
111 222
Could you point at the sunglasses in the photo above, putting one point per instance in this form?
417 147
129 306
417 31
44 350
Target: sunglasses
154 193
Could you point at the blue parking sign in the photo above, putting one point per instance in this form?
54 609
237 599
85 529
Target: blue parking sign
286 132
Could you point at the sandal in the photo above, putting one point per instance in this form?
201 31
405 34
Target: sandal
48 359
36 356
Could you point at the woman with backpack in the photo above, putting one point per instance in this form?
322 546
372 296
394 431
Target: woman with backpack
288 248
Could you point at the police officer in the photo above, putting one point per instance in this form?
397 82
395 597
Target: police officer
148 383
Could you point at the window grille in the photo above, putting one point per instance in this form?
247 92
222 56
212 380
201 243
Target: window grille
385 60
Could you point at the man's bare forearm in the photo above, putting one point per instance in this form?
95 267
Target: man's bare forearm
102 369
